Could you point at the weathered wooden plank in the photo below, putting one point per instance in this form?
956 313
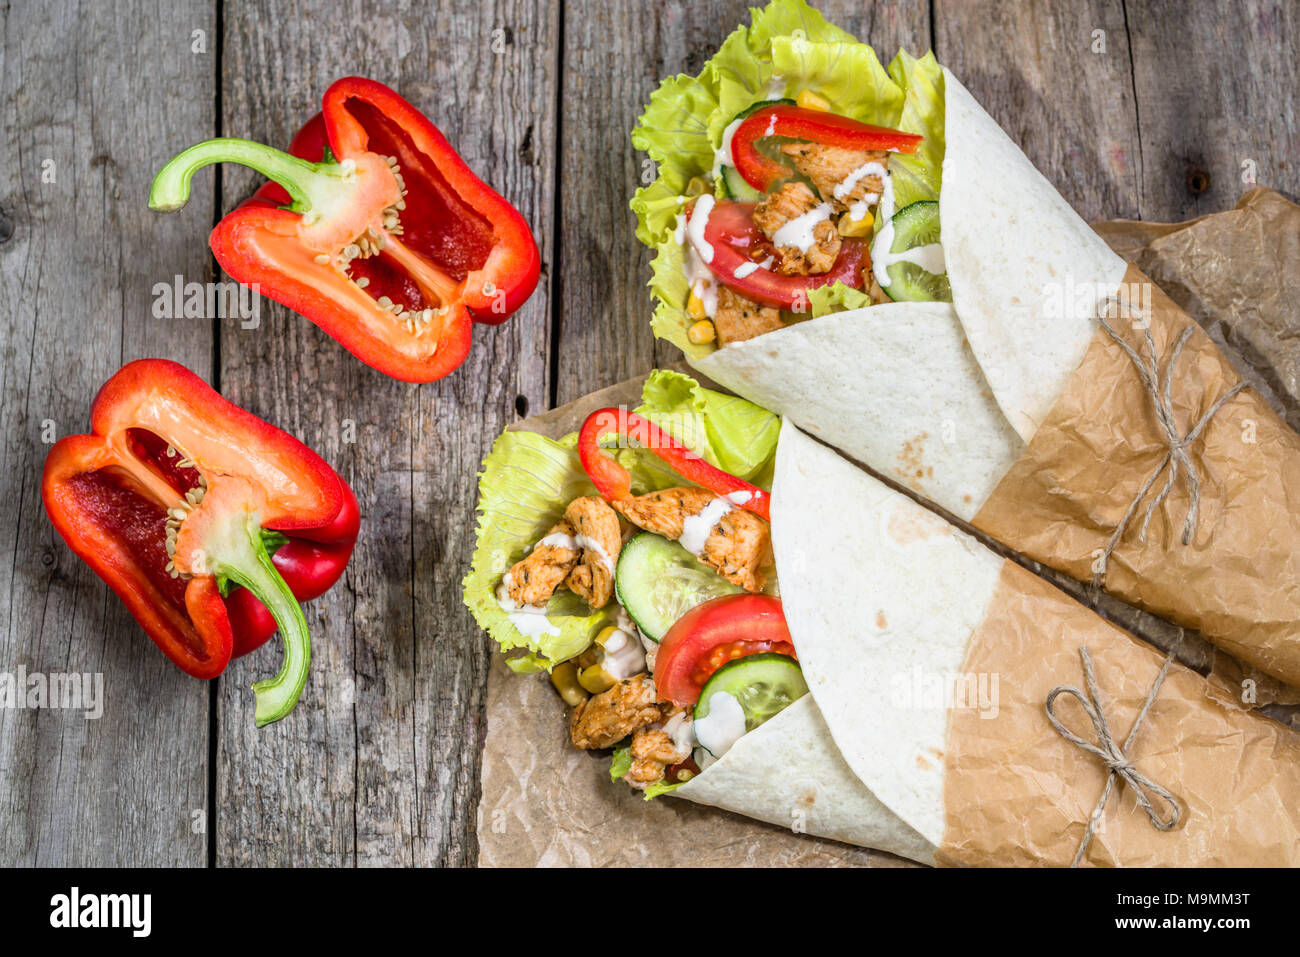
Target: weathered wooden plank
378 764
1226 117
1058 78
615 55
81 134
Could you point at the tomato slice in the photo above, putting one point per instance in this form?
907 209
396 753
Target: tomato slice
737 242
714 633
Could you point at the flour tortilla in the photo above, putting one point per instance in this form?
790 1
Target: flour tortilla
1027 272
788 772
941 398
881 597
895 386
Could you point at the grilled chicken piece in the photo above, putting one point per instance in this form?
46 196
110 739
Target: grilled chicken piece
607 718
830 167
652 753
737 546
601 538
738 318
533 580
787 204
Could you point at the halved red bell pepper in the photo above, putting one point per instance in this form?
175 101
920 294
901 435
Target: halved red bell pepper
614 482
734 241
813 126
175 496
374 229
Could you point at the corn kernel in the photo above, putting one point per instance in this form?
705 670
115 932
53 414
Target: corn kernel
695 307
701 332
698 186
863 227
809 100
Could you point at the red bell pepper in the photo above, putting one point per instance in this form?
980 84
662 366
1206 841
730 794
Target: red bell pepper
814 126
175 497
735 241
614 482
374 229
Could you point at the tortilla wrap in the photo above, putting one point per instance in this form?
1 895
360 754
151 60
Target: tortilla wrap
1015 411
894 613
786 772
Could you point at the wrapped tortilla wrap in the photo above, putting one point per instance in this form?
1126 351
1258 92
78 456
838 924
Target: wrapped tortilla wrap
1012 407
787 771
932 659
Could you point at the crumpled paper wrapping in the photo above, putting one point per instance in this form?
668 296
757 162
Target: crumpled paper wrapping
1016 793
545 803
1238 581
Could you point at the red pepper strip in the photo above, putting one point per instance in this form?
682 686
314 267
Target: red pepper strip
110 495
614 482
431 239
814 126
736 242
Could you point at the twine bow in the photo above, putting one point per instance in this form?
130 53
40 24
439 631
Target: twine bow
1114 756
1178 460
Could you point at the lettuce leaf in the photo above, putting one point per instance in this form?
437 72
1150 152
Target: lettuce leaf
918 176
732 433
787 47
528 480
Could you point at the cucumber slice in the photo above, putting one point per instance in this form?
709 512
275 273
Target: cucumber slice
765 685
735 187
657 581
916 225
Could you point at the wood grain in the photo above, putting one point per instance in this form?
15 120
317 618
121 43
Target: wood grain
1119 102
1057 77
1218 91
79 256
378 763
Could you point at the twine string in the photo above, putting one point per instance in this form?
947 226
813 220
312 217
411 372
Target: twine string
1177 460
1113 755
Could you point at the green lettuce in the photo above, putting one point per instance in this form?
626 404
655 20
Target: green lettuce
528 480
787 47
918 175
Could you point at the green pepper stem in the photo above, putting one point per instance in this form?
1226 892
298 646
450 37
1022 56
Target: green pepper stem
310 185
245 561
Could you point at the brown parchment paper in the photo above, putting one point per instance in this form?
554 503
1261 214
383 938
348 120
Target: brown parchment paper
1017 793
546 804
1238 582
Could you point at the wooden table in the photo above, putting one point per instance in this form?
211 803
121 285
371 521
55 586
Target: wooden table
1136 108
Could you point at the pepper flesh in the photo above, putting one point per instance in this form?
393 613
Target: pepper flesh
373 228
814 126
225 478
737 242
614 482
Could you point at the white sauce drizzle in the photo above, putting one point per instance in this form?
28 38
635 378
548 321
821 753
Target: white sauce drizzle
928 257
587 542
798 232
723 726
722 155
681 729
695 227
529 620
739 497
749 268
697 274
558 540
697 528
